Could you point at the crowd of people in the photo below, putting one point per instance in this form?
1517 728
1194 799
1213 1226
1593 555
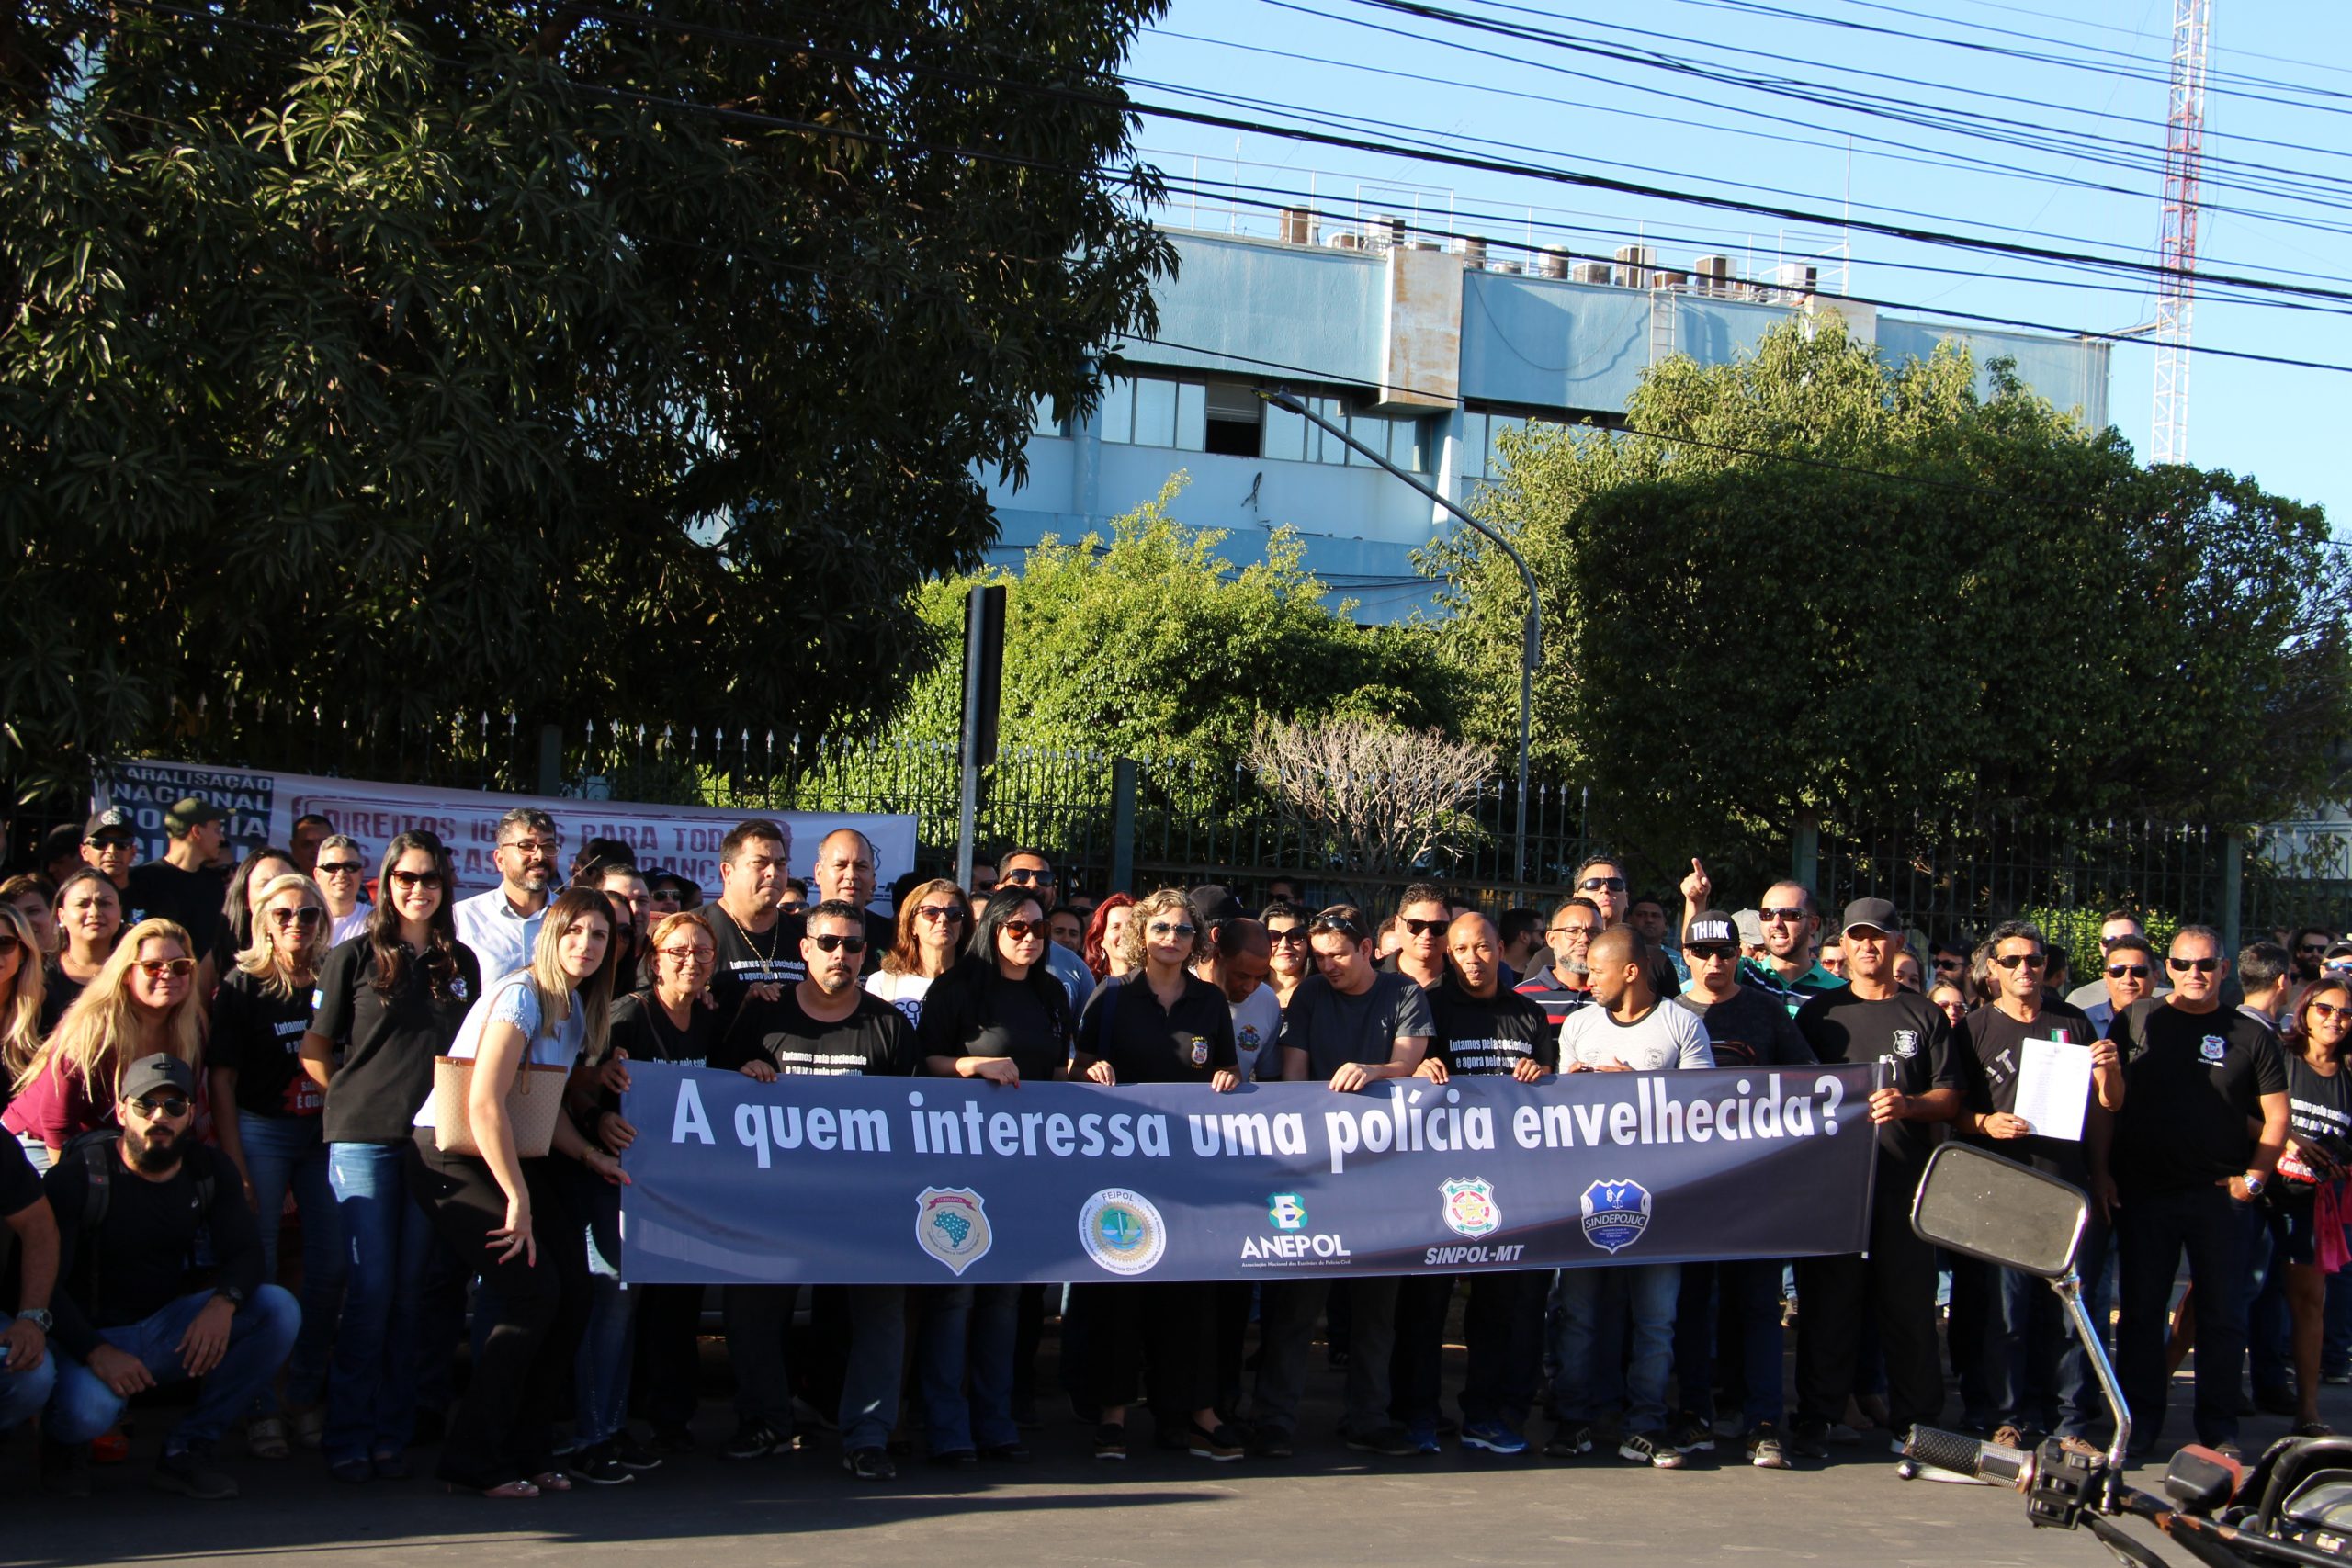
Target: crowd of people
425 1090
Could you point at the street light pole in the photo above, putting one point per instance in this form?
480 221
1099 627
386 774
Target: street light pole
1531 646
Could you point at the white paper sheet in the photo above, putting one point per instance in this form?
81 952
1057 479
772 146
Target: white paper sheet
2054 1087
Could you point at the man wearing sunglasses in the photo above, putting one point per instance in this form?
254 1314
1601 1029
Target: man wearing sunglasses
2187 1169
828 1026
133 1309
2115 926
2027 1350
2129 971
503 925
1421 922
1028 871
1790 918
2309 948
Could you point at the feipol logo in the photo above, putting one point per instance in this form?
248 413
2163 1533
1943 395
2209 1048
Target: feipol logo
1615 1215
952 1223
1122 1231
1470 1206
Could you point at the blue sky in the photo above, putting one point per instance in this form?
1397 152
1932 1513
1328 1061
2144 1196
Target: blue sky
2278 190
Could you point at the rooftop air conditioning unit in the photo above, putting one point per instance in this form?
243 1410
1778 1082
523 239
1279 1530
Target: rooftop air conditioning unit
1474 251
1634 264
1385 231
1344 239
1589 272
1669 280
1798 277
1553 261
1297 226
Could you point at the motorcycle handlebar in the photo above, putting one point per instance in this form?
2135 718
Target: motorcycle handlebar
1971 1457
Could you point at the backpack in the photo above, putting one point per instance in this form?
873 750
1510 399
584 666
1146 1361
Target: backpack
101 1165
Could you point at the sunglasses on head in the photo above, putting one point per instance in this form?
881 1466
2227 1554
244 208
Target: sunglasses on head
1344 924
2119 971
1601 885
2202 966
830 941
2011 960
172 1105
157 968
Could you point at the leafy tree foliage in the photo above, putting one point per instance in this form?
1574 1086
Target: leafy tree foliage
1150 643
400 357
1838 584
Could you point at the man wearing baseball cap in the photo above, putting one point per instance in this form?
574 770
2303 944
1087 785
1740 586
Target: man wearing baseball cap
132 1310
110 845
1872 1018
183 885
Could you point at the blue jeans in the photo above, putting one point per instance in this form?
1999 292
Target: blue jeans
2152 1231
23 1394
2040 1373
941 1345
371 1380
283 1152
994 1342
877 1342
260 1334
1750 1313
1651 1290
608 1347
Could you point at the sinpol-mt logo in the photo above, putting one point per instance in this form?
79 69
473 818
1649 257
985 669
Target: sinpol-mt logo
1291 1241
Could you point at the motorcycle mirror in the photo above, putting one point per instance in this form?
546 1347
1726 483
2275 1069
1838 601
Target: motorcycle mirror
1999 1212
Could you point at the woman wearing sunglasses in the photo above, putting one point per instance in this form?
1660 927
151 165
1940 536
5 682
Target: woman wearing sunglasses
1000 1015
1161 1024
932 921
1289 959
1106 930
21 991
269 1126
512 1217
390 1001
2319 1154
241 901
142 1001
89 923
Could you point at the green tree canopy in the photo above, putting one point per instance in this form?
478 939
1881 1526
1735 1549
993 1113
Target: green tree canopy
1821 583
401 357
1151 643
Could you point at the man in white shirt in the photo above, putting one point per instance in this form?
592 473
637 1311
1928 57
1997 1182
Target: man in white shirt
1239 954
503 925
1631 1029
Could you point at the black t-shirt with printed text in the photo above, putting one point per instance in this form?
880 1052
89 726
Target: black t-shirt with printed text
641 1027
1995 1058
873 1041
2192 1082
1477 1035
257 1035
1907 1033
2319 1113
1751 1027
973 1010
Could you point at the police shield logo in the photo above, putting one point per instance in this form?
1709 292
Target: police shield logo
1615 1215
1122 1231
1906 1043
952 1223
1470 1206
2213 1048
1200 1050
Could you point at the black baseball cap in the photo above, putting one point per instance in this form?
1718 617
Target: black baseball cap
113 819
148 1074
1871 914
1712 930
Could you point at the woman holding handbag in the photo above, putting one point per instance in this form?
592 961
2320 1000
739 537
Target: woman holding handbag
479 1163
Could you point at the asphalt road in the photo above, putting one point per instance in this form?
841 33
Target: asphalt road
1325 1506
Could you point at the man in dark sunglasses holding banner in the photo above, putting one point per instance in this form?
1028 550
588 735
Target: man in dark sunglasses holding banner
1029 871
2188 1170
827 1024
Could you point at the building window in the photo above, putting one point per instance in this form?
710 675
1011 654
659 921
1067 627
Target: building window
1147 411
1404 442
1236 415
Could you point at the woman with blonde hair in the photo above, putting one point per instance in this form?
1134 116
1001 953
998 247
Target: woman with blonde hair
21 991
932 923
496 1207
89 923
141 1002
268 1118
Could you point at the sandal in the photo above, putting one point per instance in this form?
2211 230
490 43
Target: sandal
266 1438
506 1489
310 1427
552 1481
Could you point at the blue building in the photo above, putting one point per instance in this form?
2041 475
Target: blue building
1426 354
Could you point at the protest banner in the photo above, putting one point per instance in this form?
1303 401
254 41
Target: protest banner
891 1180
262 805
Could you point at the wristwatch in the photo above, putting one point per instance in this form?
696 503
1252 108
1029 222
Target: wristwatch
232 1295
2254 1185
39 1317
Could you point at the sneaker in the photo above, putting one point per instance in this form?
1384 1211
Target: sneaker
1569 1441
1811 1439
632 1454
1268 1442
1007 1453
1423 1434
870 1464
597 1467
1221 1443
266 1438
756 1439
1650 1448
1389 1438
2339 1377
64 1469
1691 1435
1494 1437
191 1475
1764 1450
1111 1441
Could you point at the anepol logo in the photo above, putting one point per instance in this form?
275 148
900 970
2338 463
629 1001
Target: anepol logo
951 1225
1122 1231
1470 1207
1286 1212
1615 1215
